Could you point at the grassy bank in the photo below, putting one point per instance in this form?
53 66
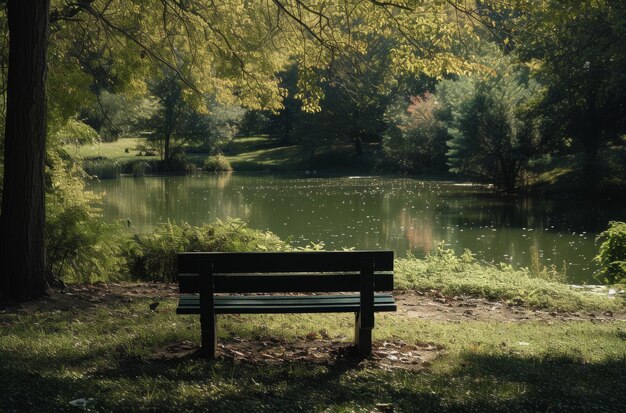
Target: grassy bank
252 153
112 348
261 153
448 274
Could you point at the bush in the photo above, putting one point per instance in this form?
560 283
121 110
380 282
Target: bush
80 247
177 165
102 168
153 256
612 255
415 140
217 163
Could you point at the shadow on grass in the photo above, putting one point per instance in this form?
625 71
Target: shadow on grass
470 382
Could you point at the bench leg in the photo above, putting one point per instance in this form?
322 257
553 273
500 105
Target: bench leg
209 335
362 337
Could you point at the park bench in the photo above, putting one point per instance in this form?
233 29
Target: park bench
245 279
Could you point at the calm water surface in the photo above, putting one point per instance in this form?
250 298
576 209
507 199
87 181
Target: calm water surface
401 214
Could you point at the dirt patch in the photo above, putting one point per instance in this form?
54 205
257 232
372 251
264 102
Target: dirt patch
430 306
387 355
84 296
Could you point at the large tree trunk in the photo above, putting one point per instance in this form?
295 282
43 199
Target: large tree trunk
22 252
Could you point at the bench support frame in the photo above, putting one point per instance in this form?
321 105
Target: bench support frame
208 325
364 322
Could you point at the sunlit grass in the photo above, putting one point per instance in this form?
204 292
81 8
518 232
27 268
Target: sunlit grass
111 150
452 275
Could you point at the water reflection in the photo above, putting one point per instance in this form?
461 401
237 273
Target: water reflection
371 213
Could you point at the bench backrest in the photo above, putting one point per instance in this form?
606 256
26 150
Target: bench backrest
265 272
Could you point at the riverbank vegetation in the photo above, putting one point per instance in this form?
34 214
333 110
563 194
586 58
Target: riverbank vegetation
100 254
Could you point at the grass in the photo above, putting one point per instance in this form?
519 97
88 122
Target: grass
102 350
565 175
112 150
109 347
261 153
452 275
251 153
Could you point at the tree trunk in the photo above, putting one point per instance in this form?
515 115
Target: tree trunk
22 220
166 147
358 145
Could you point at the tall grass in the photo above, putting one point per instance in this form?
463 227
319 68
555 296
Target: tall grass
217 163
153 256
451 274
102 168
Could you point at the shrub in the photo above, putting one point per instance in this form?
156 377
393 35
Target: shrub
177 165
217 163
415 140
612 255
102 168
80 247
139 169
153 256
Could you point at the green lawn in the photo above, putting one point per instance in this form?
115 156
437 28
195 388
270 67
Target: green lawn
111 150
114 349
251 153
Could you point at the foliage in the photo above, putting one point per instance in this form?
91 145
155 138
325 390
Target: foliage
119 115
573 49
77 133
452 274
491 138
153 256
254 122
415 140
80 247
176 120
223 125
217 163
181 119
178 164
612 254
102 168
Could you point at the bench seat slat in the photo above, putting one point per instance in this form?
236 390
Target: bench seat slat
252 301
309 261
298 283
284 304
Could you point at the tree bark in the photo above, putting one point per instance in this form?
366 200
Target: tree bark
22 220
166 150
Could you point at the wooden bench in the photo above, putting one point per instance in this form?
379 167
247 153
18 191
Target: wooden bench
246 276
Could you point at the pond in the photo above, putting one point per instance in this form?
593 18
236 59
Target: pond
401 214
